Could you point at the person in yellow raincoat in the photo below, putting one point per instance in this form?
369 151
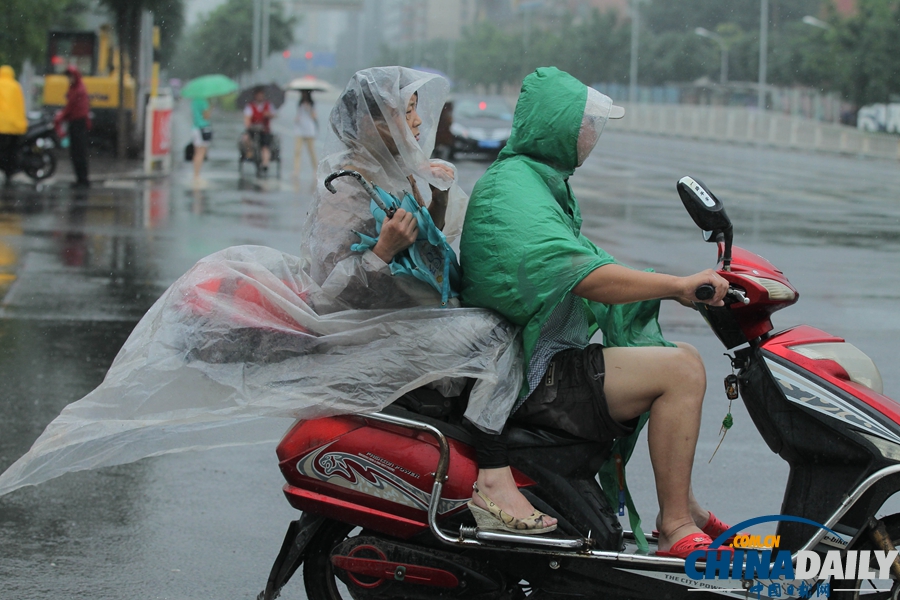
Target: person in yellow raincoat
13 122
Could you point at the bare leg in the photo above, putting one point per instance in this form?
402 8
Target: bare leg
670 383
199 155
311 146
298 150
266 155
699 514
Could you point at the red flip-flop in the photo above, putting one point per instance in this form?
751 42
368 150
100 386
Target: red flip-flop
691 543
714 528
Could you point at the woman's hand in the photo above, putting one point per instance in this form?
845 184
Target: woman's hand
439 198
692 282
397 234
443 171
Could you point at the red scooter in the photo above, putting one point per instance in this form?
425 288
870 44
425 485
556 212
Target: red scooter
383 496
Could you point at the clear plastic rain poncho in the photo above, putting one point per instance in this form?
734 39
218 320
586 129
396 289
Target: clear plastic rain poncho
373 138
251 333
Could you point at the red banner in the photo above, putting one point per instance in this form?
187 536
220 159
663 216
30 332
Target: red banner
161 140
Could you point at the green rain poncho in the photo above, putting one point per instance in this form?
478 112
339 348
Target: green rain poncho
522 250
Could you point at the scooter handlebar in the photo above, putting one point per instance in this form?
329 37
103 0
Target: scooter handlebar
705 292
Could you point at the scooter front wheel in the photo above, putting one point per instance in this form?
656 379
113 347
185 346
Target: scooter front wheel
318 572
850 589
40 166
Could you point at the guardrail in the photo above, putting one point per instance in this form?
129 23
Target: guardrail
742 125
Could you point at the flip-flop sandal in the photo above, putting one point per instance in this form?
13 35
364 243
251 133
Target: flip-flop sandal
691 543
714 528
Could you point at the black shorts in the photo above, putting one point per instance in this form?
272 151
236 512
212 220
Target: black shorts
570 397
264 137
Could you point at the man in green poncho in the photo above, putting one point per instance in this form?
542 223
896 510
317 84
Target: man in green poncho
523 255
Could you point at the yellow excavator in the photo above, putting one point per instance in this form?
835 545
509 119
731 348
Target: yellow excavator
97 59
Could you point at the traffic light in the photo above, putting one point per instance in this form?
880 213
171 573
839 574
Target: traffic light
308 55
286 54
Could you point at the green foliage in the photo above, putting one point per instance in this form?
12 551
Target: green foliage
169 16
23 33
223 41
686 15
858 56
487 54
866 52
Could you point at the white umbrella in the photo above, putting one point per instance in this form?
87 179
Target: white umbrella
311 84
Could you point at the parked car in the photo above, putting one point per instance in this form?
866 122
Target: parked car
480 124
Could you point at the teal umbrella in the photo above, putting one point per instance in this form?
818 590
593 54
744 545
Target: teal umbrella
208 86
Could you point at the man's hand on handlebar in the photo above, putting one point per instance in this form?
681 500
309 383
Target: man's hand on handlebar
707 279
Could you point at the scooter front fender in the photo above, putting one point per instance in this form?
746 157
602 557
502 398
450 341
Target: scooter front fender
292 553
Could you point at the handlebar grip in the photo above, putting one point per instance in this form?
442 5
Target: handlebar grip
705 292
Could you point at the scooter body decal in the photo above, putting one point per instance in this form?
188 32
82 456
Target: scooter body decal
803 392
361 474
723 587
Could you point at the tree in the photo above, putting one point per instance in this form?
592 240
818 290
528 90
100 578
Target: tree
25 25
127 17
686 15
867 51
222 42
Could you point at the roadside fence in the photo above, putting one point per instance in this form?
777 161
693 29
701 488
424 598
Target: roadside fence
748 125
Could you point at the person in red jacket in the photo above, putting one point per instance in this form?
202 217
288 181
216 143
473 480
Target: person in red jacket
77 114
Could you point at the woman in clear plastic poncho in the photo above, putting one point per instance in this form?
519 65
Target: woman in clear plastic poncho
251 333
385 123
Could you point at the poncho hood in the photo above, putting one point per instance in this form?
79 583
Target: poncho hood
522 250
7 73
547 119
370 131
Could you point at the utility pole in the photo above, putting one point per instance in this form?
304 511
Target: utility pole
264 41
254 53
635 33
763 53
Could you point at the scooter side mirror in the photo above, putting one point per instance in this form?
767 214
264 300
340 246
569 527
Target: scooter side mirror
705 209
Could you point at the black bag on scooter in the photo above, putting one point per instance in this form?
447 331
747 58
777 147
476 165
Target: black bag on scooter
189 152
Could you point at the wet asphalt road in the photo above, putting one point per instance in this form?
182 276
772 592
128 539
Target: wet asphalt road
78 271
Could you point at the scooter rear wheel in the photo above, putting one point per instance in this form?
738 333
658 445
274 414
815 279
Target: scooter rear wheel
322 583
850 587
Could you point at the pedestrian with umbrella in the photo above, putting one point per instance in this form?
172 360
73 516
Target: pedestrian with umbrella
306 125
200 90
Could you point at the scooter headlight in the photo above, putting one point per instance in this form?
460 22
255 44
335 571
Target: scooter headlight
854 361
776 289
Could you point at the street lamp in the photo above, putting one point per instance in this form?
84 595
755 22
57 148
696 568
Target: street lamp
723 71
635 8
811 20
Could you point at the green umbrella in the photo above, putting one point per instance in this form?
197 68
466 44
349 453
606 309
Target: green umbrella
208 86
